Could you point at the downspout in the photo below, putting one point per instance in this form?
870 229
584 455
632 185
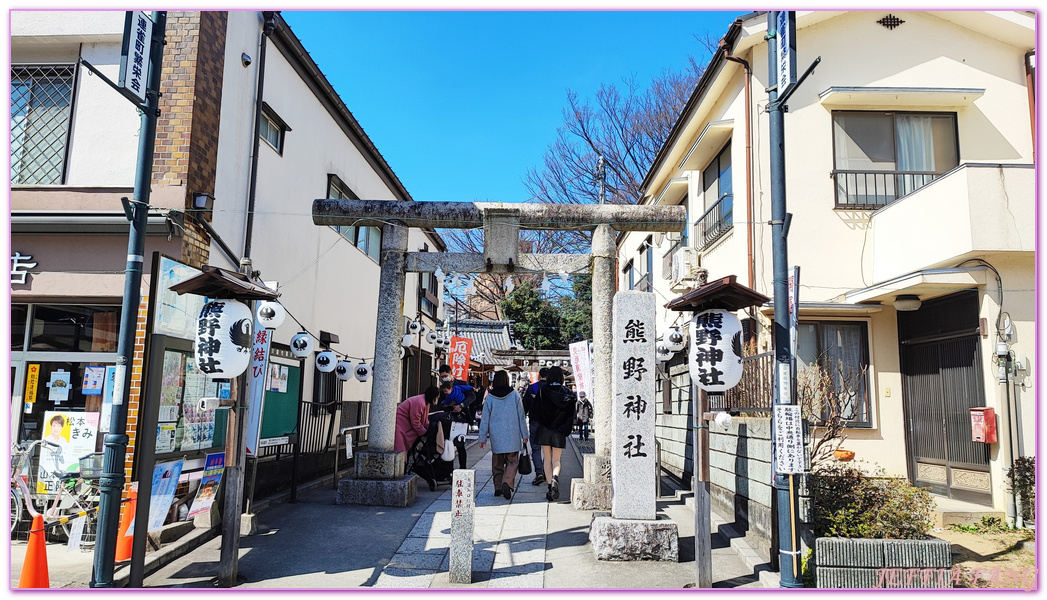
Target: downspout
749 209
1030 85
267 30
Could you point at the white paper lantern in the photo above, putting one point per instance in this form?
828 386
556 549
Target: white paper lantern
431 337
362 372
224 339
271 314
676 340
326 361
509 285
344 370
662 352
407 340
414 327
302 345
424 330
716 350
403 352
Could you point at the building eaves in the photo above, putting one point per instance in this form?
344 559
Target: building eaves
291 47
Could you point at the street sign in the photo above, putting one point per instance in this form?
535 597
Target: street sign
785 34
134 53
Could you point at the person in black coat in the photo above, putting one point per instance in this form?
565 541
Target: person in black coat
554 409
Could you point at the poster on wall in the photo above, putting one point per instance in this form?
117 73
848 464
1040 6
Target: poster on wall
171 386
108 390
176 315
166 435
93 380
73 435
59 386
165 481
197 425
212 477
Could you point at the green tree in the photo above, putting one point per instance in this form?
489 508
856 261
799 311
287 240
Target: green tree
536 321
576 310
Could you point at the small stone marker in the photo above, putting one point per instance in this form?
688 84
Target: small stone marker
463 505
632 420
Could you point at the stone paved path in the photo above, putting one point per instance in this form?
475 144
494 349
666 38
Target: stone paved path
508 539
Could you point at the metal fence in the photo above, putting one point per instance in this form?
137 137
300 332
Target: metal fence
755 391
715 222
41 98
869 190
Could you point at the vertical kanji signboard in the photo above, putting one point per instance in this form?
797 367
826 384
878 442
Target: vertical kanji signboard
460 351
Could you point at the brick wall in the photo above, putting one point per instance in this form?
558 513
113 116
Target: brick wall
135 392
186 152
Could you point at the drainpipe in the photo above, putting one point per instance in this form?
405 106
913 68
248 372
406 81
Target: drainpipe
267 30
1030 85
749 231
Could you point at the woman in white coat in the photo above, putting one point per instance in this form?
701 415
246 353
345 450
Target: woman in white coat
504 425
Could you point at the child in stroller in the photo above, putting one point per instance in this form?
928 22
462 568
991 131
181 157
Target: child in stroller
426 457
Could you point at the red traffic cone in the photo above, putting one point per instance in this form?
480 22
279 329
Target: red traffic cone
34 568
125 542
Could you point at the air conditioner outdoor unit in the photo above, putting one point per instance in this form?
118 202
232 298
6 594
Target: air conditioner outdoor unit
686 270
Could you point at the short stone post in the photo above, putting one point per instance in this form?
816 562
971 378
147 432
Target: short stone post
378 473
632 531
463 506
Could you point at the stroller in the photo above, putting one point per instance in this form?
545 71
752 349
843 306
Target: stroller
425 458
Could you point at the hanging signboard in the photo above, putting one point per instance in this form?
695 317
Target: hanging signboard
785 31
582 367
134 53
715 356
460 351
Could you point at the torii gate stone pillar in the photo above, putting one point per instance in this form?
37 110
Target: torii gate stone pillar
379 477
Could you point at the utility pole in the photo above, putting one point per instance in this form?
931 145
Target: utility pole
111 483
781 60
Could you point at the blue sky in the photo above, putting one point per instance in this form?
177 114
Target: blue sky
462 104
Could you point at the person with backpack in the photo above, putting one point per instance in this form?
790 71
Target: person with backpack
583 414
554 409
504 424
528 404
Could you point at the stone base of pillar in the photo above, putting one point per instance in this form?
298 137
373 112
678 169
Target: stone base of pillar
590 496
634 540
378 492
596 468
375 464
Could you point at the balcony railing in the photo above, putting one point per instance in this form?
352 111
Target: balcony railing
869 190
715 222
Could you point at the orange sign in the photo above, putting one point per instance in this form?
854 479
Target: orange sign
460 351
31 381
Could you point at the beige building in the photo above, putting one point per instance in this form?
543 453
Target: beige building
909 156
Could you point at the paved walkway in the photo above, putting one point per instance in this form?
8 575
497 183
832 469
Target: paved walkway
526 543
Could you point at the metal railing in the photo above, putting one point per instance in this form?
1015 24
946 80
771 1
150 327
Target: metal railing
755 391
41 99
869 190
715 222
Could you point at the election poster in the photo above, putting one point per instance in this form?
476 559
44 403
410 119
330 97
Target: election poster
71 435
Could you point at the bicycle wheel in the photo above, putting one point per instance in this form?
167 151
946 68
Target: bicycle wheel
17 507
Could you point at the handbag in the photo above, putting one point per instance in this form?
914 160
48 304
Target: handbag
525 462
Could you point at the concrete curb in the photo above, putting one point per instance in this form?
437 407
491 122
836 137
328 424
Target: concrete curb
166 555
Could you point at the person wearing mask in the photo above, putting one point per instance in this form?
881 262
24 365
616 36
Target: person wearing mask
412 418
528 403
554 409
454 399
504 424
583 415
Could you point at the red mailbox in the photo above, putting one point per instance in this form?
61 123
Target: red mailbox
983 425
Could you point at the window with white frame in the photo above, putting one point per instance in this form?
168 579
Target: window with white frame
272 129
629 276
839 350
428 291
645 283
882 156
41 112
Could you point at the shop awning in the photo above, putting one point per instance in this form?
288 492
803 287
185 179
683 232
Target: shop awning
220 283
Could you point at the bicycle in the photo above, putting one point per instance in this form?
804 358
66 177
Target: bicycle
76 496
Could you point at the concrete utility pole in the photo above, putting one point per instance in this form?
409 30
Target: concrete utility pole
111 483
378 472
781 60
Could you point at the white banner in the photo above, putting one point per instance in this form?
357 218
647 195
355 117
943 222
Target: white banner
259 371
788 440
582 367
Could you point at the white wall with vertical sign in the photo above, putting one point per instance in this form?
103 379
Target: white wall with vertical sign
134 54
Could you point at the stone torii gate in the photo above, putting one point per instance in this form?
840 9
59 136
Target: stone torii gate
379 477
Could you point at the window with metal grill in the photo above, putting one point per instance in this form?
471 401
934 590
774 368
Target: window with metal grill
41 111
